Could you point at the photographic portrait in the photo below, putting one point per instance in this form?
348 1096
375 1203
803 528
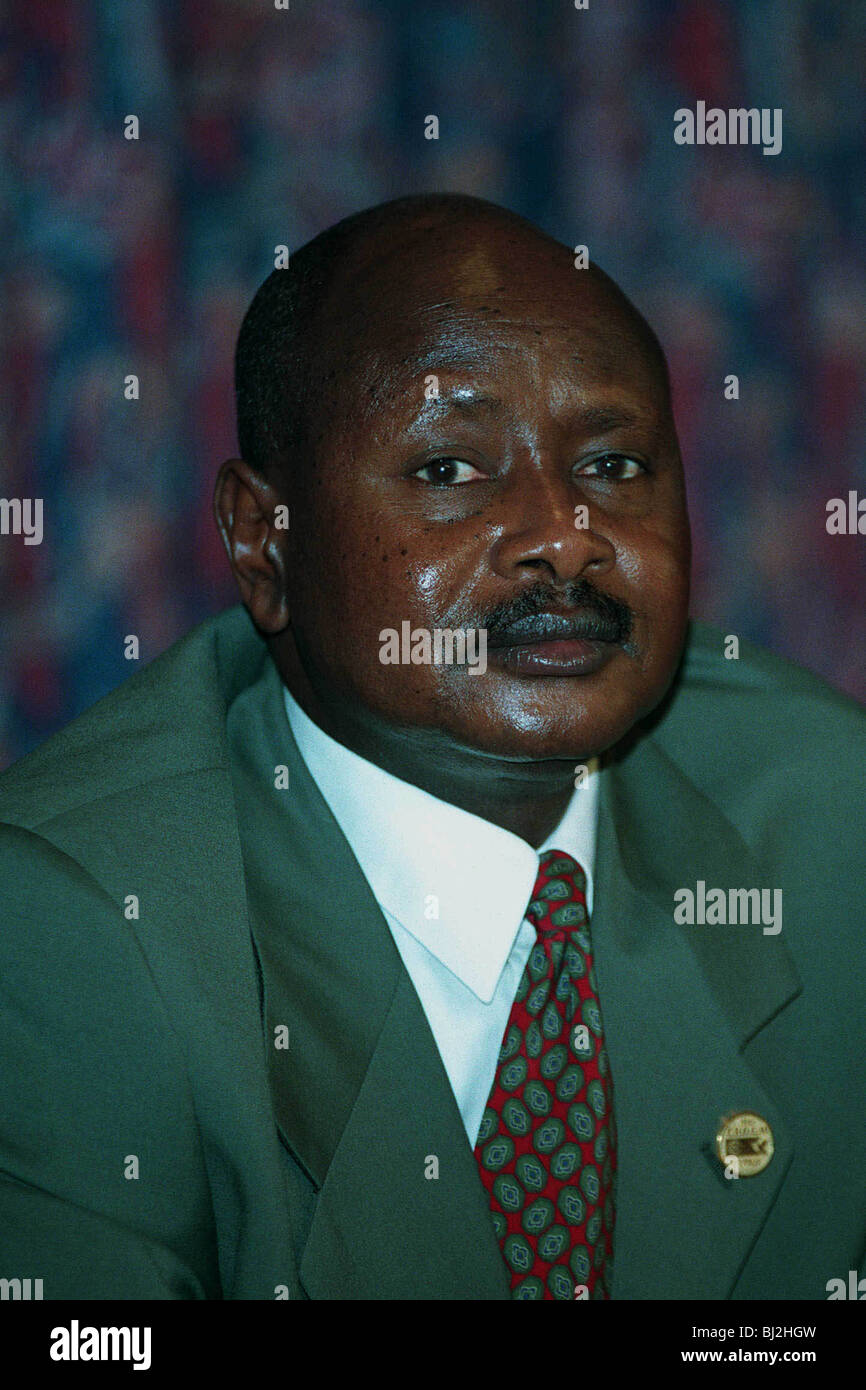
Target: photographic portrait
431 714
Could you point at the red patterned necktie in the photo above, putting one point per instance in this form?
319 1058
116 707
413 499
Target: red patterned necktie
546 1147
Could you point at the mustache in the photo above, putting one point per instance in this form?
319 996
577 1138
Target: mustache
542 613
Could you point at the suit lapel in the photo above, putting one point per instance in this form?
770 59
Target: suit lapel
403 1213
679 1004
361 1098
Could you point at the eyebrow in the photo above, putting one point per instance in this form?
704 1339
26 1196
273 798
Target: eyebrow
464 400
597 419
601 419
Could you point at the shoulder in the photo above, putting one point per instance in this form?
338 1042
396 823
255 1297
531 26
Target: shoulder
740 703
782 756
778 750
165 720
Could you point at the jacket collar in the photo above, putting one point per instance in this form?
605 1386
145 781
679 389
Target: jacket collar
681 1004
663 834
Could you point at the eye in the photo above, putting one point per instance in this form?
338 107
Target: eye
447 472
615 468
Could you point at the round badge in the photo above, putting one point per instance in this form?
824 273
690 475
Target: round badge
744 1143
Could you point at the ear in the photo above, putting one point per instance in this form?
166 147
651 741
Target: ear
245 508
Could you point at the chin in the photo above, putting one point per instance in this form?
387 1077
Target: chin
569 719
532 737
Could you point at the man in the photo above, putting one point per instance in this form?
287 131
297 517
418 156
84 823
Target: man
333 975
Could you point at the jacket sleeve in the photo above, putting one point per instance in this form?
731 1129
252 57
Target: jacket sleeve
103 1186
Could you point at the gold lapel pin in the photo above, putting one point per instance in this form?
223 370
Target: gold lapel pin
744 1144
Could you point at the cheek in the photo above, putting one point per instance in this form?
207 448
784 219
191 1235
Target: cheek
339 558
656 567
387 571
347 591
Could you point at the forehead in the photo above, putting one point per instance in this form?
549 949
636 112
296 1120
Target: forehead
513 310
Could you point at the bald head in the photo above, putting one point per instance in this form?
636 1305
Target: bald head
469 432
391 289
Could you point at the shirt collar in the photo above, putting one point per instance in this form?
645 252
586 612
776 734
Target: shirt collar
459 884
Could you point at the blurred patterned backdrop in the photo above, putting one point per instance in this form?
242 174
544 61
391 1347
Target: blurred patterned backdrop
261 127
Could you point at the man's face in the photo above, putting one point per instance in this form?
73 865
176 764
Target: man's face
458 510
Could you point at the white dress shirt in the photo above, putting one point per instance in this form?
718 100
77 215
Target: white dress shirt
454 890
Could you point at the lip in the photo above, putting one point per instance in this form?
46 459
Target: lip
559 656
554 644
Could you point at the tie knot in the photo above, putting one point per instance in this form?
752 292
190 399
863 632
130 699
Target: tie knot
558 901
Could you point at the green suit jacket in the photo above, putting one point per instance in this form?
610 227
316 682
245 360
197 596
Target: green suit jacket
164 908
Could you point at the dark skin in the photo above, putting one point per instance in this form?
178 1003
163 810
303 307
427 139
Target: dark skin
549 397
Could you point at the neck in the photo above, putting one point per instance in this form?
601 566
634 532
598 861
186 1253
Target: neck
526 798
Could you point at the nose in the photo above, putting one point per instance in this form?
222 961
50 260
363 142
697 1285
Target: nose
539 534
